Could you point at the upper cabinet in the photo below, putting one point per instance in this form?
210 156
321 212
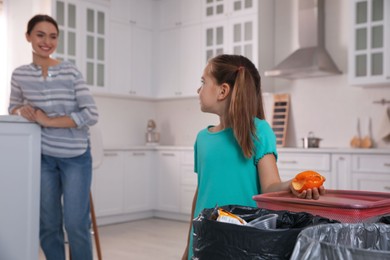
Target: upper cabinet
136 12
218 9
369 53
83 38
238 27
130 52
173 13
179 63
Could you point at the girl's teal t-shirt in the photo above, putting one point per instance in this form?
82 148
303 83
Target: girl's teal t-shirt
225 175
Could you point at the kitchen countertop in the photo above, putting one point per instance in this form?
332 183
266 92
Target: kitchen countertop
284 149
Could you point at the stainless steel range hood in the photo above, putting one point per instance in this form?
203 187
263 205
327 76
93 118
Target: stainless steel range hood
311 59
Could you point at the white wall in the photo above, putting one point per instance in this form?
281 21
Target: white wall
17 13
123 122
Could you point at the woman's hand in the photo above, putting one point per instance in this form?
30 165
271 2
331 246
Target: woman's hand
313 193
27 112
41 117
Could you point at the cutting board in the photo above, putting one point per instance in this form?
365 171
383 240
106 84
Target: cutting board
280 118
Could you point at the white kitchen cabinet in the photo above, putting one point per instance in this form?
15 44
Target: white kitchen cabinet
109 185
292 163
179 12
236 35
188 181
138 181
238 27
83 38
369 62
341 170
132 11
219 9
371 172
168 181
68 47
180 65
20 160
130 60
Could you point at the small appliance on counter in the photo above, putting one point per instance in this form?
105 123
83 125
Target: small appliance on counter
311 141
152 137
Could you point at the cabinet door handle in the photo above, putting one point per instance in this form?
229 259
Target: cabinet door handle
139 154
110 154
288 162
387 164
168 154
387 187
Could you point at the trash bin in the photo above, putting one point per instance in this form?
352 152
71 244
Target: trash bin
359 241
222 241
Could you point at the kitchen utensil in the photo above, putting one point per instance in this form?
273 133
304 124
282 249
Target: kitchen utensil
367 140
311 141
152 137
356 140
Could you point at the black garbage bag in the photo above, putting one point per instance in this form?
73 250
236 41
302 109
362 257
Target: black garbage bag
213 240
385 219
357 241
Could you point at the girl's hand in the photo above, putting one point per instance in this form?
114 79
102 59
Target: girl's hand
185 254
313 193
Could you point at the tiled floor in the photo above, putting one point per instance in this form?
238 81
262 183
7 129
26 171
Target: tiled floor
143 240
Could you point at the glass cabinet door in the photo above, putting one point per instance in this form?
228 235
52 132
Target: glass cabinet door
370 42
219 8
215 40
95 47
67 23
243 38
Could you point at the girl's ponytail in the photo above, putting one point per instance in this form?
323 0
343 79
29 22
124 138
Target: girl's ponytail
245 98
243 109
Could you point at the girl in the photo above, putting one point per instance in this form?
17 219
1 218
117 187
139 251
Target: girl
235 159
53 94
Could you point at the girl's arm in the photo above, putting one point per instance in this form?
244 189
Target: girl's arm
270 180
185 255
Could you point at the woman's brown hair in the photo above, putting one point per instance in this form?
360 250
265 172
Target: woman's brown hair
245 99
40 18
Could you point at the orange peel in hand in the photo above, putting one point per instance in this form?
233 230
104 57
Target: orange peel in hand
307 180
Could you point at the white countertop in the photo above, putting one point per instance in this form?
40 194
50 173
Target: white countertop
13 119
283 150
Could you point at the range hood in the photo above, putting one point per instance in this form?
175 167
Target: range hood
311 59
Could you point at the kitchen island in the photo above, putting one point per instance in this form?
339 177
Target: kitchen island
20 149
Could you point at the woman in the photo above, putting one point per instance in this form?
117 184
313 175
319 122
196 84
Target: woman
53 94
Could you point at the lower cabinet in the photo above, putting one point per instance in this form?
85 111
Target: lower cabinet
161 181
138 182
108 185
292 163
168 181
123 184
176 181
370 172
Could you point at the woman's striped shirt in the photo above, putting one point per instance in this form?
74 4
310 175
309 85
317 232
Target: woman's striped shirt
62 93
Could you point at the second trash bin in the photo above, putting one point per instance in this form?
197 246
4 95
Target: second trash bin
344 241
222 241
